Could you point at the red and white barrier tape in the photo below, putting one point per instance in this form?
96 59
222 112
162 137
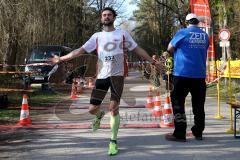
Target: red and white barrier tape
24 65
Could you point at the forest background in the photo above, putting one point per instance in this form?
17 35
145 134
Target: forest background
26 23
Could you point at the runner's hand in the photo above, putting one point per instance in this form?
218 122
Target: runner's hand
160 67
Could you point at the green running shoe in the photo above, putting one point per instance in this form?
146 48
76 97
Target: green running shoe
113 149
96 121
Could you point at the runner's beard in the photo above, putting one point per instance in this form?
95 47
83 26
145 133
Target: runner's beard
107 23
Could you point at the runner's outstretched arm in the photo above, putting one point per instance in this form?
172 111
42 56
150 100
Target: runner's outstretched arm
142 53
75 53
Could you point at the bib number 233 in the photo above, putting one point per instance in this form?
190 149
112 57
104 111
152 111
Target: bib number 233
109 58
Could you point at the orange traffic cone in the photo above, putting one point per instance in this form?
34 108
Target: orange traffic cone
74 90
168 119
157 111
150 101
24 115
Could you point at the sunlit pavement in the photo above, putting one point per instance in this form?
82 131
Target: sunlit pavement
134 143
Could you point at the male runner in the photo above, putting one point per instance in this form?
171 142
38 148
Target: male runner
110 45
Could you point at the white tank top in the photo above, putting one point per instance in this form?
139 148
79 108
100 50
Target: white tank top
109 46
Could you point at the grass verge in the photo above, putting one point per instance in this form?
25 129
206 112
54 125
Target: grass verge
38 98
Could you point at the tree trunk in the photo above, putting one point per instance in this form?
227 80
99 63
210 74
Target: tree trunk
12 48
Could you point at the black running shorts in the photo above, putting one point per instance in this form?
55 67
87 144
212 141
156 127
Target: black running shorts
115 83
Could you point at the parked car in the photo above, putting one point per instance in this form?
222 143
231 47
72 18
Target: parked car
35 63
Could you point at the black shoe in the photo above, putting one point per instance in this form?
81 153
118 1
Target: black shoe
171 137
198 137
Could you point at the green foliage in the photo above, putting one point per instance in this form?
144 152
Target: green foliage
9 115
157 22
25 23
38 98
224 89
226 14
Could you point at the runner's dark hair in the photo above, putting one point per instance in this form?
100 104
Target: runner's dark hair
109 9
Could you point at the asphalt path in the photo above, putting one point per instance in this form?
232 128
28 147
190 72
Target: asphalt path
134 143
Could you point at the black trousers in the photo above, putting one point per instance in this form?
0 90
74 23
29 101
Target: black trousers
197 88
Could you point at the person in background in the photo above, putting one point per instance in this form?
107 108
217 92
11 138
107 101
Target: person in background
154 73
189 47
167 77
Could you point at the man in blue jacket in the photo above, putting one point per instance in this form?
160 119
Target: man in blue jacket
189 48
